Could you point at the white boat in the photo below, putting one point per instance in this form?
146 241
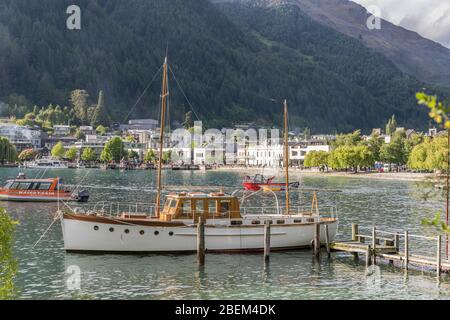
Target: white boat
125 228
173 227
46 163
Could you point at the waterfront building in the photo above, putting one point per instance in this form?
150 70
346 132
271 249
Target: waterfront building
299 151
87 130
21 137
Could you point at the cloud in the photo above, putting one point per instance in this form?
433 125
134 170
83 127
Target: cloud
430 18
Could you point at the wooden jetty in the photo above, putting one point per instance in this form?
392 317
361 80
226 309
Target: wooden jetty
393 246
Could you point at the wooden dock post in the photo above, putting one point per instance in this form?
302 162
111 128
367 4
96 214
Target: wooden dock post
438 256
317 240
201 241
406 249
354 231
327 240
374 245
368 256
355 238
267 240
397 242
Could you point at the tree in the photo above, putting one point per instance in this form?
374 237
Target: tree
149 156
350 139
347 156
133 155
100 115
80 135
113 150
394 152
101 130
27 155
188 121
71 154
88 155
79 99
317 159
167 155
58 150
374 144
8 152
391 126
8 265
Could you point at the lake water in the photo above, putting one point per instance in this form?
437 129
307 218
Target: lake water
289 275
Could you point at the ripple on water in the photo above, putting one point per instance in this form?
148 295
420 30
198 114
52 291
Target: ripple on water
290 275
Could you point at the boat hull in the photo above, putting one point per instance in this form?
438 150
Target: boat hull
98 236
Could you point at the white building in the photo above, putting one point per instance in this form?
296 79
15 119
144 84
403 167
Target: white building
298 152
265 155
20 136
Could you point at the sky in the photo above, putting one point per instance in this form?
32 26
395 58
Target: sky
430 18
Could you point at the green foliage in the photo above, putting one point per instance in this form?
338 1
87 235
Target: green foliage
71 154
58 150
8 265
437 222
316 159
348 156
231 61
27 155
113 150
149 156
350 139
101 130
391 126
429 155
88 155
133 155
8 152
80 135
167 156
100 115
394 152
439 111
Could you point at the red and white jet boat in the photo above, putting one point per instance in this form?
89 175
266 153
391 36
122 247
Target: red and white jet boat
39 190
258 182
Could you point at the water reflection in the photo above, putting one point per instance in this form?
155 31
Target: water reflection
288 275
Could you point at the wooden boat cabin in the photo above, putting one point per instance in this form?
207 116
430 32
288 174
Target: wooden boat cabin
191 206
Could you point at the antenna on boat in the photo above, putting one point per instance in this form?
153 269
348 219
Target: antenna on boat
286 154
164 94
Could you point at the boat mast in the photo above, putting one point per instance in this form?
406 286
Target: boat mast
286 154
164 94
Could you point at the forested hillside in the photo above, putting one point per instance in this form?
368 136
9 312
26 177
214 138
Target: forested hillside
234 63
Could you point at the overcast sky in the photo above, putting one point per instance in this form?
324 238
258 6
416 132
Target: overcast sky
430 18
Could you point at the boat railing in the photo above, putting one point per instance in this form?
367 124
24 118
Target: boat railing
118 208
329 211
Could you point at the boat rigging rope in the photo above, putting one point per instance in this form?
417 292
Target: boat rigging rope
143 93
45 232
184 94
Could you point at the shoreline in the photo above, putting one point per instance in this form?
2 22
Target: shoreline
400 176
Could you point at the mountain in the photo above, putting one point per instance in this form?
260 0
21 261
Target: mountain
234 62
411 53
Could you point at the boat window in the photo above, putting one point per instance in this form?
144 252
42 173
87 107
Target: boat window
224 207
186 208
212 206
167 204
14 186
44 186
36 185
23 186
173 204
31 186
8 185
199 206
